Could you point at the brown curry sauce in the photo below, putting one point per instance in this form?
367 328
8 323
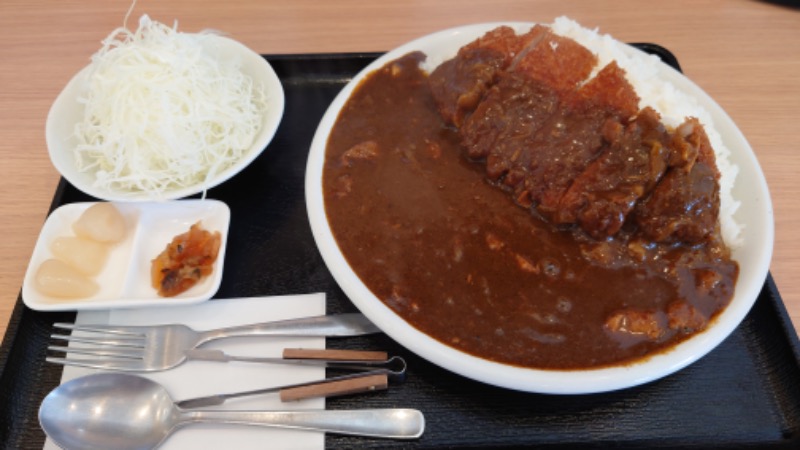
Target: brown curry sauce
436 240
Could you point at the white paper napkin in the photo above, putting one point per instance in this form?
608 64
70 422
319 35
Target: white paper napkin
200 378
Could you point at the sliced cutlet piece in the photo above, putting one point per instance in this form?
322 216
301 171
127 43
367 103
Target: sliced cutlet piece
610 90
505 120
572 137
562 142
503 128
562 147
460 83
684 205
600 199
556 61
506 41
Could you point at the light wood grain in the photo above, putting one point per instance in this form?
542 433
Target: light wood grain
745 54
357 385
335 354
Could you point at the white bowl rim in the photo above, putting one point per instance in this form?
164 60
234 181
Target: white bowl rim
754 256
62 116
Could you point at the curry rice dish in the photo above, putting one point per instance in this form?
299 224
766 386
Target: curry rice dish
518 204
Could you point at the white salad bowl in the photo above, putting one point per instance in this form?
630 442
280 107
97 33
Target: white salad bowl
67 111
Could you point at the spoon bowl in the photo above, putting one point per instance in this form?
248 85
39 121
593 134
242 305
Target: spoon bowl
128 412
108 411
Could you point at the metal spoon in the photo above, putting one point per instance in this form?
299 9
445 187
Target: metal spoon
127 412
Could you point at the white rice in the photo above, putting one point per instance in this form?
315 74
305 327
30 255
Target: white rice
673 105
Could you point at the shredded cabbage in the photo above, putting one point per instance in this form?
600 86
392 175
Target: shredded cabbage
162 114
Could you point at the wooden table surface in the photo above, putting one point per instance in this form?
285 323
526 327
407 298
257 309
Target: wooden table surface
744 53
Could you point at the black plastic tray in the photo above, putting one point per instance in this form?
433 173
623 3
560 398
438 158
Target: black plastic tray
744 394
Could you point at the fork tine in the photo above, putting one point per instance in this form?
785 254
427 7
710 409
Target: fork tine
121 365
120 353
119 330
120 342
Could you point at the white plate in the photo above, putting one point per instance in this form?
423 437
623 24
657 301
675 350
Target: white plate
125 280
66 111
755 214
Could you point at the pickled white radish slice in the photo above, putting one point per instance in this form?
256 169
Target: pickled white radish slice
86 255
101 222
58 279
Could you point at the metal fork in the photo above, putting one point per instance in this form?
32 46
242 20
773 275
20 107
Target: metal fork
160 347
